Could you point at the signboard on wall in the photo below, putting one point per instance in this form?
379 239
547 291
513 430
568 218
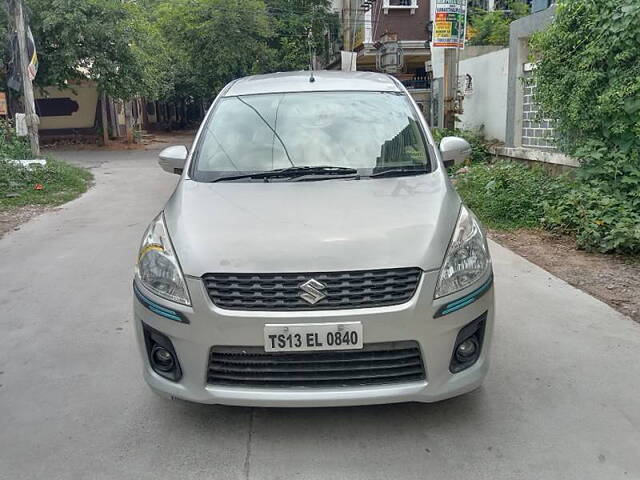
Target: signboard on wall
450 23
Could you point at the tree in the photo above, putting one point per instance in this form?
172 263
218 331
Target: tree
111 42
300 26
213 41
174 50
492 28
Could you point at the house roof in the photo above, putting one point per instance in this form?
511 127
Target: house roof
324 80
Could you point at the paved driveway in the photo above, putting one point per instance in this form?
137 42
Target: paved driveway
562 400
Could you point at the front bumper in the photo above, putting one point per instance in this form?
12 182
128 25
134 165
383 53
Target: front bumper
414 320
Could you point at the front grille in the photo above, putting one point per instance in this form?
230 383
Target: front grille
375 364
280 292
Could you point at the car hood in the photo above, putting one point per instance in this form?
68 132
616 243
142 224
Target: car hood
320 226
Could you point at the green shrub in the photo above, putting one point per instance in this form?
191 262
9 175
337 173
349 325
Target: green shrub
509 195
479 152
603 209
12 146
588 81
602 220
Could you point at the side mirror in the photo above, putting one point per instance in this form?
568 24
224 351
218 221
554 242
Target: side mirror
172 159
454 150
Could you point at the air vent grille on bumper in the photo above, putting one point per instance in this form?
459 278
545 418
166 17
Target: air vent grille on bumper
375 364
340 290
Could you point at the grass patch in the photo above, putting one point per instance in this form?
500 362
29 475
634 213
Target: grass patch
60 182
508 196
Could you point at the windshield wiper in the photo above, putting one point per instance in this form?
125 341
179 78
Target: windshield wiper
290 172
400 171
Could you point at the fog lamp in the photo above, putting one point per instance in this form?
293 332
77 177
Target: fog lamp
467 349
468 346
162 358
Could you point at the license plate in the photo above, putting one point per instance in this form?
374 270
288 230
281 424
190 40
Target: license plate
302 337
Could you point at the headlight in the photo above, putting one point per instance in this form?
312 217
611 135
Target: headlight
467 257
158 268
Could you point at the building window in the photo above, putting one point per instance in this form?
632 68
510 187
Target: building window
399 4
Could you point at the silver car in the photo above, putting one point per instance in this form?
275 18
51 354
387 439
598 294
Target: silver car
314 253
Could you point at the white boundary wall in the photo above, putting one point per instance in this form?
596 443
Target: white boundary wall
485 106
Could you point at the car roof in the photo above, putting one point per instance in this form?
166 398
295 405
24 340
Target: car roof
324 80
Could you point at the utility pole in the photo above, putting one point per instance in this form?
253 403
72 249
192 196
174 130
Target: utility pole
449 30
450 87
29 99
346 31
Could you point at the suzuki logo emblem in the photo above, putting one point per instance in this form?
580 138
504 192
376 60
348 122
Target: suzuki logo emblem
312 291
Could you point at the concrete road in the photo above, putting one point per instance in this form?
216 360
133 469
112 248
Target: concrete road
562 400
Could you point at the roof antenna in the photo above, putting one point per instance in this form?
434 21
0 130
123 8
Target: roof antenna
311 77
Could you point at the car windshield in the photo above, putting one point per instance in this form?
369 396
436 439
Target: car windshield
366 131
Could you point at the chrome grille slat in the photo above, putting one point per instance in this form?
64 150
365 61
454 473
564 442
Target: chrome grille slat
303 380
326 367
281 292
375 364
312 357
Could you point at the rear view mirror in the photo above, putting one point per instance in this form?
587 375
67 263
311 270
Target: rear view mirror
172 159
454 150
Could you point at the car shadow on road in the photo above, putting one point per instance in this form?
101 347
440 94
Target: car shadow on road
464 411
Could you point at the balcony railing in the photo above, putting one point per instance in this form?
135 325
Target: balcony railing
417 82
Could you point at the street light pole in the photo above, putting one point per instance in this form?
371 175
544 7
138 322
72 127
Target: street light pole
29 99
450 87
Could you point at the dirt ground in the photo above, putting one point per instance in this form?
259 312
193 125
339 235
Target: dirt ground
614 279
148 141
12 219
